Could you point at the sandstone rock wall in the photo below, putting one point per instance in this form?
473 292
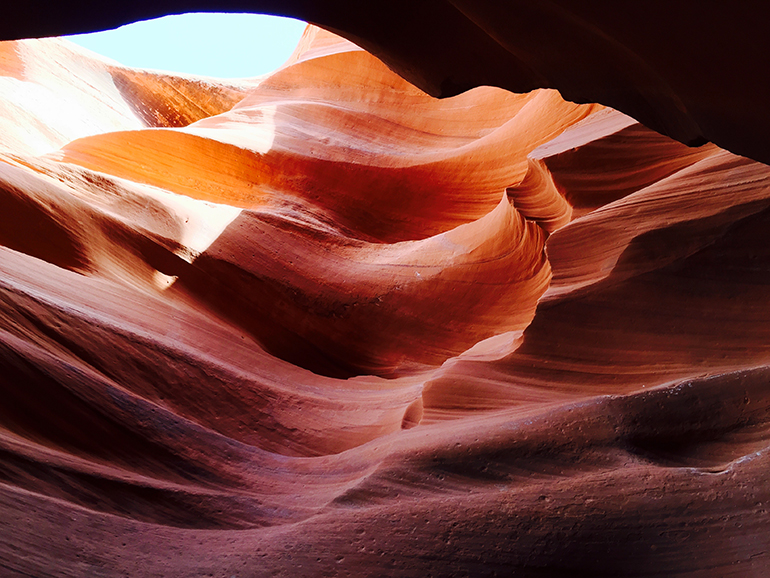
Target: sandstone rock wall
323 324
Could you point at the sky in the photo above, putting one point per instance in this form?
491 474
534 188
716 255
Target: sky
220 45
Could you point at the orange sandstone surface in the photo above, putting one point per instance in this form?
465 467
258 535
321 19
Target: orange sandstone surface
319 323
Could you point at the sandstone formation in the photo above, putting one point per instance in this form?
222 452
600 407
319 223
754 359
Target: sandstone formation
693 71
321 323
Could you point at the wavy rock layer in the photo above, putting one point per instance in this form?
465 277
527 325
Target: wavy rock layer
694 73
323 324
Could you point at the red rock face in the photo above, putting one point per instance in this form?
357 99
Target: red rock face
323 324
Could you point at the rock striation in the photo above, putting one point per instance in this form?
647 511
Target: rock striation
320 323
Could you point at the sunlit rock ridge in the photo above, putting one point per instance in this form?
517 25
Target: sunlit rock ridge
320 323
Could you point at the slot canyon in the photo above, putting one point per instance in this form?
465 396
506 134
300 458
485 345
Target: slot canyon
464 288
